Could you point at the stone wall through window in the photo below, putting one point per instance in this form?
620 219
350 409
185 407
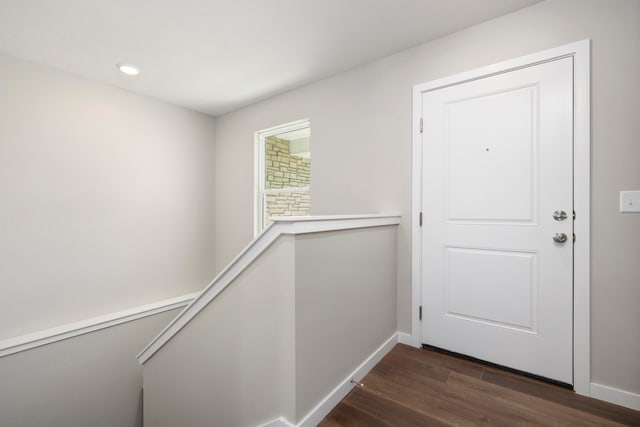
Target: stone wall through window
284 170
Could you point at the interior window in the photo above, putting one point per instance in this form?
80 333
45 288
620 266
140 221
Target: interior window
284 172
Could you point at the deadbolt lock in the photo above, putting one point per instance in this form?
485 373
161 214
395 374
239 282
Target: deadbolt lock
559 215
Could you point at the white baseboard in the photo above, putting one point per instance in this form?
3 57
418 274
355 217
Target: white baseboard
280 422
405 339
332 399
616 396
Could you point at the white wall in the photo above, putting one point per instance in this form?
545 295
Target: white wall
288 330
233 364
106 199
90 380
363 117
345 308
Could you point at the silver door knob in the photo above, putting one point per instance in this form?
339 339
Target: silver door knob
559 215
560 237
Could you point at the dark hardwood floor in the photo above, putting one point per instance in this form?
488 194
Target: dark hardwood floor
413 387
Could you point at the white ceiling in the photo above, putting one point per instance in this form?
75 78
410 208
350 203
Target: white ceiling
218 55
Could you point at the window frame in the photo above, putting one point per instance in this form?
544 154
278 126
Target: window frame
260 170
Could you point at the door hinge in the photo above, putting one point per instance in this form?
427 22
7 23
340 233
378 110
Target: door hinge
420 313
420 219
421 125
574 215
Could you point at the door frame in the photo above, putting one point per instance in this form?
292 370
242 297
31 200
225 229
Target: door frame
580 51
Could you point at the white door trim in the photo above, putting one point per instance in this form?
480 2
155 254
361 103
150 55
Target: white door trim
581 175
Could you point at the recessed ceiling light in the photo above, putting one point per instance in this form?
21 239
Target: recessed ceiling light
129 69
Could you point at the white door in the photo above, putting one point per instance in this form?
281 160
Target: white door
497 164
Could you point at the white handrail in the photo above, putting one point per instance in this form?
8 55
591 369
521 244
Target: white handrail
284 225
49 336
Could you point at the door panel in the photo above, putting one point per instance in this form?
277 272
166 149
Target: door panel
497 162
489 170
511 275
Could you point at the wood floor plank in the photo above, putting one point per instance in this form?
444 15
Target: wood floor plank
423 395
345 415
562 396
414 387
436 359
543 412
479 403
478 408
389 411
417 367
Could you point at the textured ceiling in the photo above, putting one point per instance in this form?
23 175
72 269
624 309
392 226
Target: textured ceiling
219 55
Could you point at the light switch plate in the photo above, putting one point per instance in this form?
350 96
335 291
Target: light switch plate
630 201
